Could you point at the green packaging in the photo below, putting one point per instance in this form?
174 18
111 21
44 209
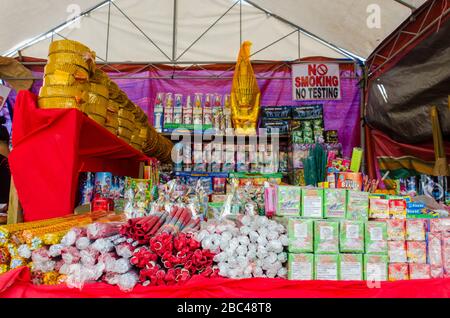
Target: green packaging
351 236
326 237
375 267
378 207
335 203
351 267
300 233
288 201
312 203
376 238
326 267
357 205
301 266
357 155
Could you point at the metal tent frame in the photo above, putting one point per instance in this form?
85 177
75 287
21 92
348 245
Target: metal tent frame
174 58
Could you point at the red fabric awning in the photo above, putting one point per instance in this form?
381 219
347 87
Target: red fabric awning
16 283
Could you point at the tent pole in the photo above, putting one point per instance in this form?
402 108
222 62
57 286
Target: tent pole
174 30
107 31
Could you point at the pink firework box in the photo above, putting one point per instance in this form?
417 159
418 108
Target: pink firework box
396 230
398 271
416 252
446 253
419 271
435 255
440 225
415 229
397 252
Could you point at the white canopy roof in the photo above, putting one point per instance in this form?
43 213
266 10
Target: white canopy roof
201 30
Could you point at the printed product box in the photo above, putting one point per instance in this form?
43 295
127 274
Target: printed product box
434 255
351 267
357 205
378 208
300 233
396 230
335 203
349 180
326 237
398 271
326 267
446 253
397 251
288 200
376 238
415 229
440 225
397 208
419 271
351 236
301 266
375 267
312 203
416 252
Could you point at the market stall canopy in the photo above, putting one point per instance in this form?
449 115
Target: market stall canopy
202 30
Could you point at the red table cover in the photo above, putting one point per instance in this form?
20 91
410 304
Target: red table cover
51 147
16 283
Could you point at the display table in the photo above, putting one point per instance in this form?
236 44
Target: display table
16 283
51 147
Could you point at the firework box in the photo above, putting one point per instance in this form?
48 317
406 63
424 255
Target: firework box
398 271
350 267
351 236
300 266
415 229
300 233
416 251
397 251
357 156
419 271
375 267
312 203
335 203
396 230
349 180
289 199
397 208
326 237
326 267
357 205
440 225
378 207
376 238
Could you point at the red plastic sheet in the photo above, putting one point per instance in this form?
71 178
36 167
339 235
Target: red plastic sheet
16 283
51 147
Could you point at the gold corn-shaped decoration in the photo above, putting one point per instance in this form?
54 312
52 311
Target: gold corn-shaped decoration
245 94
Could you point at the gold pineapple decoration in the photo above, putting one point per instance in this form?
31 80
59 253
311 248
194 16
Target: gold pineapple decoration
245 94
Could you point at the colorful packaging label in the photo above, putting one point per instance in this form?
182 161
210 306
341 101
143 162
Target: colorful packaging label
351 236
396 230
398 271
326 237
289 198
335 203
351 267
312 200
397 251
376 238
357 205
326 267
375 267
378 208
301 266
350 180
300 233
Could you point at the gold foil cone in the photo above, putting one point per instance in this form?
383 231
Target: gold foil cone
68 46
100 77
78 72
99 89
58 102
97 118
123 113
95 109
62 91
113 106
126 123
70 58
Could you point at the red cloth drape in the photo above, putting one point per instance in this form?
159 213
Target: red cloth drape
50 148
16 283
